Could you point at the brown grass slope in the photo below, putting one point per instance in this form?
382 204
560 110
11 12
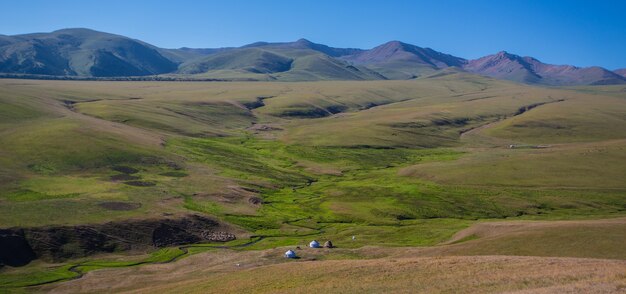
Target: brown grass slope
486 274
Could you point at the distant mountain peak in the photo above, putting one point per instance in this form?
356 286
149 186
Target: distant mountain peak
504 65
400 52
303 41
74 30
396 45
505 55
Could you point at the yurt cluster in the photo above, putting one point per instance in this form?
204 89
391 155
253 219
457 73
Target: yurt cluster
313 244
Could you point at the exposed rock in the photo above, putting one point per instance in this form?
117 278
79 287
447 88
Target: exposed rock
255 200
218 236
19 246
140 183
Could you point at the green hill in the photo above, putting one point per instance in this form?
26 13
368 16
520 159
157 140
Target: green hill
276 63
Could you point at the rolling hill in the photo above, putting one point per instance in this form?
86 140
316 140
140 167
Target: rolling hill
84 53
306 44
81 52
272 62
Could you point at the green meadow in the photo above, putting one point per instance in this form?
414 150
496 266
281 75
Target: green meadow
393 163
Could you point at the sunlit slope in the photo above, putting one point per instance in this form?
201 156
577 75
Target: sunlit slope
577 143
299 61
589 165
580 119
76 132
56 160
433 112
428 112
577 238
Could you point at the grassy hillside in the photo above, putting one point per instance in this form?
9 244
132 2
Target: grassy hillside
250 59
283 63
336 135
395 163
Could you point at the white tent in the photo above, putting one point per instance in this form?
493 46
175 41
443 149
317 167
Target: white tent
314 244
290 254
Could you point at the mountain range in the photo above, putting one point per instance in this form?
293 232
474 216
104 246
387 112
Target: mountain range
84 53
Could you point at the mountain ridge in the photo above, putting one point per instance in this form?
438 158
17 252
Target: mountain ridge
86 53
504 65
81 52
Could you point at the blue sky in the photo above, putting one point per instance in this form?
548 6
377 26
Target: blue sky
581 33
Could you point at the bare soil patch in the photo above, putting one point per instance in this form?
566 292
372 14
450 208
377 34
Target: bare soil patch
120 206
125 169
140 183
124 177
174 174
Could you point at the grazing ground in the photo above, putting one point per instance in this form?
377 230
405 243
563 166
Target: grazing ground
402 165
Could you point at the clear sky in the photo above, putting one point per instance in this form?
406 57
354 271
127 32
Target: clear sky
577 32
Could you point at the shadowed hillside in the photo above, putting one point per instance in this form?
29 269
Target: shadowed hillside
81 52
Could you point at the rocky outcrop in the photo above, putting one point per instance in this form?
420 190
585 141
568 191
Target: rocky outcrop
19 246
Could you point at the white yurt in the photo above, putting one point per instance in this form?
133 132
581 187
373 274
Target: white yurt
314 244
290 254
